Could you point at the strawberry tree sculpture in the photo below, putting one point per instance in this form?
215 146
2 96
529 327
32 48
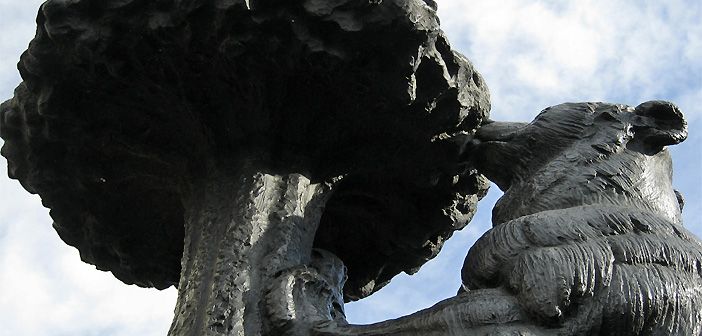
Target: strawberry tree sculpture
224 146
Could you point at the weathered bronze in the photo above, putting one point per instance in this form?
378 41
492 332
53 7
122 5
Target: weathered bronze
587 239
212 144
275 158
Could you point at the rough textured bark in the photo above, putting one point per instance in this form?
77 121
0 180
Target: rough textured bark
134 120
243 226
123 100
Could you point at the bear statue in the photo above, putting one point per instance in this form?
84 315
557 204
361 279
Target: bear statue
586 240
588 236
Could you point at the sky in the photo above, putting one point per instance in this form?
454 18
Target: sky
532 54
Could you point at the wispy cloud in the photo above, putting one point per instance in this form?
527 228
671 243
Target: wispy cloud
16 29
47 290
538 53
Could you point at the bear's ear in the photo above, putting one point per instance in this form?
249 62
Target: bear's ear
660 123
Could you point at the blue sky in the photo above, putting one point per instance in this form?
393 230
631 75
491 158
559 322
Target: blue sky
533 54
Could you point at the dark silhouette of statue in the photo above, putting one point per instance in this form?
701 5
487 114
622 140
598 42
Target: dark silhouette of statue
586 240
273 159
213 144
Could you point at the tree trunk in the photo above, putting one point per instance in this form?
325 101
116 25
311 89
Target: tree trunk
243 228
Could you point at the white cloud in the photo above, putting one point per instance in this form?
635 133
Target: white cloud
17 27
47 290
548 52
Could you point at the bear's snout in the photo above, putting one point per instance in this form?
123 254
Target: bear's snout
498 131
494 155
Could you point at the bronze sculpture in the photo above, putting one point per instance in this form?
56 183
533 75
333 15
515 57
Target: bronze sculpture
587 239
121 251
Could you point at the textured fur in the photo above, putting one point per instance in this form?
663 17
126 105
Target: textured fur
587 239
588 235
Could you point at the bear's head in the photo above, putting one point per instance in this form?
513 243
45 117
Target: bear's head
577 154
